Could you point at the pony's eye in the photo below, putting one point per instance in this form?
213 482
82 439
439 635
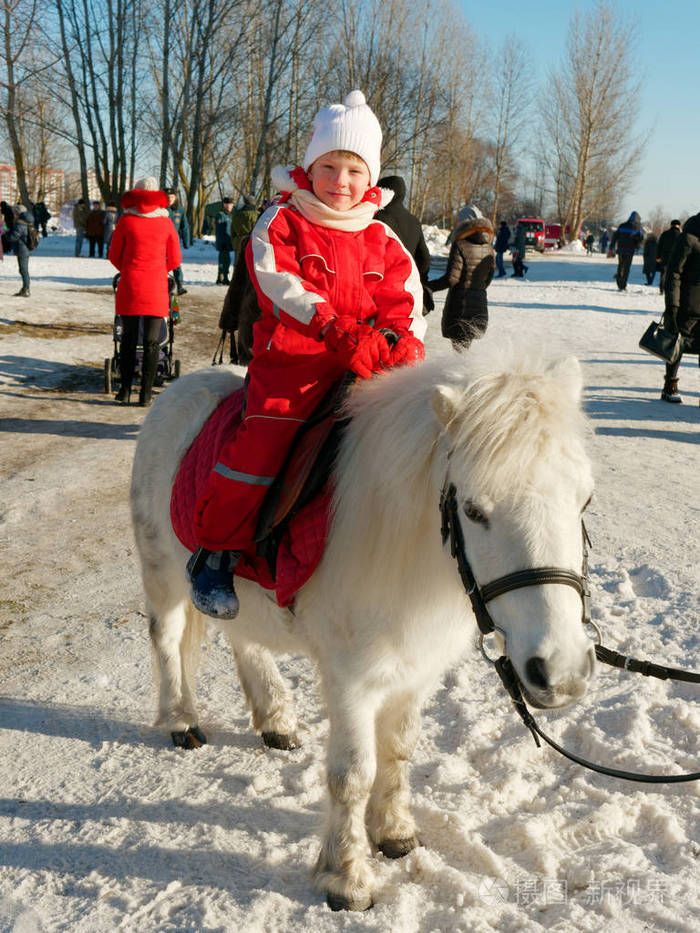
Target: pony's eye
474 514
588 502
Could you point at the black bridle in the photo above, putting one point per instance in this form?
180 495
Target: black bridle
479 596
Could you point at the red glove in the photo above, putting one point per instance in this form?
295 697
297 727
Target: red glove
407 351
363 349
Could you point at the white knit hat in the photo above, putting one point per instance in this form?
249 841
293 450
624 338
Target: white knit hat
149 183
350 126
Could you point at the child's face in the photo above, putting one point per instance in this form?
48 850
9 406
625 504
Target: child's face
339 181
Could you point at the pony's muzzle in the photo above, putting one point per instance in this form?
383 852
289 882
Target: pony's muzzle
544 689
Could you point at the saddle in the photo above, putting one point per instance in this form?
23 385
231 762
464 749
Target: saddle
293 520
292 523
307 468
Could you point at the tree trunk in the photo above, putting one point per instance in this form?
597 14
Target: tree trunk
165 98
74 102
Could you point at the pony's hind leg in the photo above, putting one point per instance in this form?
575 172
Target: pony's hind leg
389 819
269 698
176 633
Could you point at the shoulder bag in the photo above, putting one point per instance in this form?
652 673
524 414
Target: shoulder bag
663 343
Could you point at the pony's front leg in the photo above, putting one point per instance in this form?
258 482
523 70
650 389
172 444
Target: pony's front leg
342 870
389 819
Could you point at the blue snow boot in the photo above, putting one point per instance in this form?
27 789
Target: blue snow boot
211 576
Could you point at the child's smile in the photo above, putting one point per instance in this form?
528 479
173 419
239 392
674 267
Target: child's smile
338 180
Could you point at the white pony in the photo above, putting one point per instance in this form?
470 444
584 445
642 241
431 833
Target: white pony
386 613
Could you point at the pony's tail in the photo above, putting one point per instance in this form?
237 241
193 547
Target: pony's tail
195 628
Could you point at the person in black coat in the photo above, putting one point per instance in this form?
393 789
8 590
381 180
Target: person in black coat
682 294
626 240
650 252
41 217
665 247
501 245
408 229
19 239
470 268
179 219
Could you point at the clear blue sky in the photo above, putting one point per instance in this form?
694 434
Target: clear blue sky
666 51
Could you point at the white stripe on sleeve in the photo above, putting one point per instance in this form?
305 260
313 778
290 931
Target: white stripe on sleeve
284 289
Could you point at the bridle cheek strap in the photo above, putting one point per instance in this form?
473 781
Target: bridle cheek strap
536 576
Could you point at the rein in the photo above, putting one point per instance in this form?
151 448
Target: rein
451 529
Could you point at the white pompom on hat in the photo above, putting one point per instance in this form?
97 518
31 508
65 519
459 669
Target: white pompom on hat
147 184
350 126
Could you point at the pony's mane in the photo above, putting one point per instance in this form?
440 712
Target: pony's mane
512 411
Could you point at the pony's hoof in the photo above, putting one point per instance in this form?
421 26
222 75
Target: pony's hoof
340 902
397 848
189 738
282 741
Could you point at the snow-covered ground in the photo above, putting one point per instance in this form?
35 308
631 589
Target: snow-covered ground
104 826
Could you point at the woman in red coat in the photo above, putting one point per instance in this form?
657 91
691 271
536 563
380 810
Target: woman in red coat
144 248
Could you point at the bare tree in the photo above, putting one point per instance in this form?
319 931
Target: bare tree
511 93
101 48
658 220
211 93
590 114
16 29
195 59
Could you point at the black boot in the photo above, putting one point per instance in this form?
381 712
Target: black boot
670 392
211 576
151 353
126 367
22 293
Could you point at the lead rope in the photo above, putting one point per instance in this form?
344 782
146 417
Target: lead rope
451 529
509 679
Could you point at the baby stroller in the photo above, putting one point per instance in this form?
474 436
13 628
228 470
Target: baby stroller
168 368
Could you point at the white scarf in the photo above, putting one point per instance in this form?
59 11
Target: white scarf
158 212
309 206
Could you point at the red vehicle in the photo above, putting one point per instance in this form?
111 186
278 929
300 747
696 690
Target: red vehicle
553 236
534 232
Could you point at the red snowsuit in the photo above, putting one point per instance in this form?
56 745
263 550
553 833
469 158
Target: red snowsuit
304 274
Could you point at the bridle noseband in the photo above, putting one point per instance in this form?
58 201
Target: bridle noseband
535 576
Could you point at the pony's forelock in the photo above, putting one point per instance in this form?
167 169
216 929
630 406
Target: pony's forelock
516 418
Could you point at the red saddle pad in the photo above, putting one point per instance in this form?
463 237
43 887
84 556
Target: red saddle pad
304 538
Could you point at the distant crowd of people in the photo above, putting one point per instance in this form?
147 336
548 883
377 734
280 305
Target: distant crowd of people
19 227
476 256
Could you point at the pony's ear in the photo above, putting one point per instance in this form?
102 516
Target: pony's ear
445 400
567 372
